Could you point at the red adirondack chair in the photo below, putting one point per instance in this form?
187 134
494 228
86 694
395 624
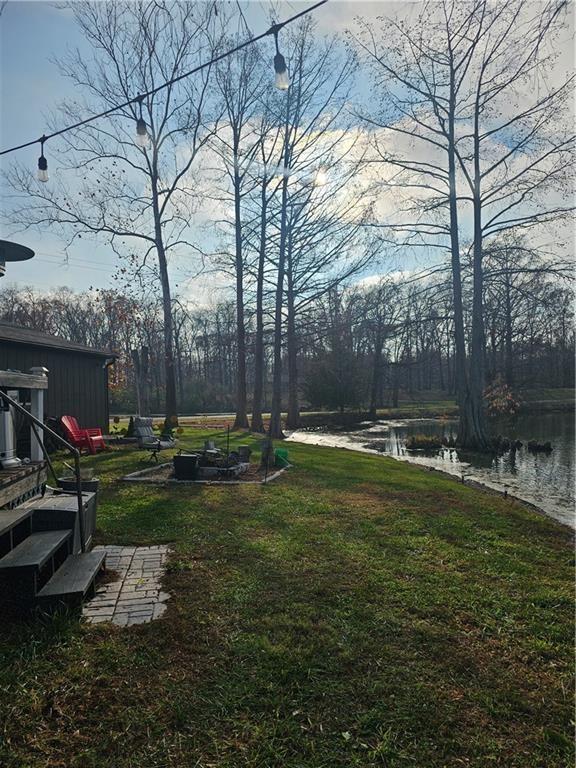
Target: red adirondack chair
90 438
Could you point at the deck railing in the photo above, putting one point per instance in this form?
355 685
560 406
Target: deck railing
37 424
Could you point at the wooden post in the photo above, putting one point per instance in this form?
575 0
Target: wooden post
37 410
8 457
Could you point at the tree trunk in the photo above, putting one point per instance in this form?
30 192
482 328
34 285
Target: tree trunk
136 364
257 421
180 377
171 411
440 370
509 365
459 340
476 433
395 387
241 420
449 386
145 381
376 376
293 415
276 409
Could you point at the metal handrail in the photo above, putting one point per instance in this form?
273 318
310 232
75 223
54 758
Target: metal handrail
74 451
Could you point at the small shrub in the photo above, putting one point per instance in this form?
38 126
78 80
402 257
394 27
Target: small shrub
499 398
423 442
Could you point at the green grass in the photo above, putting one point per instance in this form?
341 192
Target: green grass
556 394
438 404
357 612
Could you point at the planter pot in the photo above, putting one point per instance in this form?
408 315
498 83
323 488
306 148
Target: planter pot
186 466
69 484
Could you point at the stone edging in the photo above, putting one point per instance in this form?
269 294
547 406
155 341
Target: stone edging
141 477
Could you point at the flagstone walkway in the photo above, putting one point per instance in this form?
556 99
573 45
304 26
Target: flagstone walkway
136 596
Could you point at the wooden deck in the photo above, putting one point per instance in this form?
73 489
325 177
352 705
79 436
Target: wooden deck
17 483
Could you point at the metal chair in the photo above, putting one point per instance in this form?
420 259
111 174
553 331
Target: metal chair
148 440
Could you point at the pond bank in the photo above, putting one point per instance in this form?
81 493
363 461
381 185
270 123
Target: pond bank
545 481
476 484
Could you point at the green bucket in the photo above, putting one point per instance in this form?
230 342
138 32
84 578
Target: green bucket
281 457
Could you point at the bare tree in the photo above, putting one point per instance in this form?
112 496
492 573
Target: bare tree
445 79
414 134
382 310
328 245
269 138
240 81
518 149
139 199
517 281
321 81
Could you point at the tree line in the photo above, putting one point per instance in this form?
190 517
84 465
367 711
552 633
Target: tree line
359 346
437 135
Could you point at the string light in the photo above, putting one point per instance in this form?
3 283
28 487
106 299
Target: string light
282 81
42 173
142 136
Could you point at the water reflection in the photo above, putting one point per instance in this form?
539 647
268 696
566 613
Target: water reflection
546 480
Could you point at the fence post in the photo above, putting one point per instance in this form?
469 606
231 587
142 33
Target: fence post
37 410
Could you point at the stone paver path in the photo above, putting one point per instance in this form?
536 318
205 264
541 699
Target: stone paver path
136 596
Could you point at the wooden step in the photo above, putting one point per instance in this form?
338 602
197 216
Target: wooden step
15 526
10 518
73 579
18 482
58 511
59 501
35 551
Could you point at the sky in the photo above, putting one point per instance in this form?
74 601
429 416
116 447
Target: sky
31 35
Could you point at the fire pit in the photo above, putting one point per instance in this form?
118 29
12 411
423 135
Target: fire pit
211 463
209 466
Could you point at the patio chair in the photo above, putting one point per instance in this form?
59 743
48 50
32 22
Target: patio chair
147 440
89 438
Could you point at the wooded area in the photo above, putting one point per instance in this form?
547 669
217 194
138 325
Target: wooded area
355 347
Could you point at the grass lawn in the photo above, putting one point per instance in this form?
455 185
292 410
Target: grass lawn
564 395
357 612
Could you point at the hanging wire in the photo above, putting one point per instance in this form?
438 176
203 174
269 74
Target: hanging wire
273 30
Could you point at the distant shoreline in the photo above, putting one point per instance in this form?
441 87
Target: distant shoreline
404 410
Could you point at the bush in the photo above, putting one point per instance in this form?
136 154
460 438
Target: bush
499 398
423 442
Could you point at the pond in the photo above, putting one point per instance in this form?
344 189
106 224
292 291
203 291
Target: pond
546 480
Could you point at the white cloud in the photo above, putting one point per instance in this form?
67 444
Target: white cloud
205 289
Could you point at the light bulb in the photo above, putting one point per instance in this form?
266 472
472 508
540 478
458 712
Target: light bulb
142 137
42 173
282 81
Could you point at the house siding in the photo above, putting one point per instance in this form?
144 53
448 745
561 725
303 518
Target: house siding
77 381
